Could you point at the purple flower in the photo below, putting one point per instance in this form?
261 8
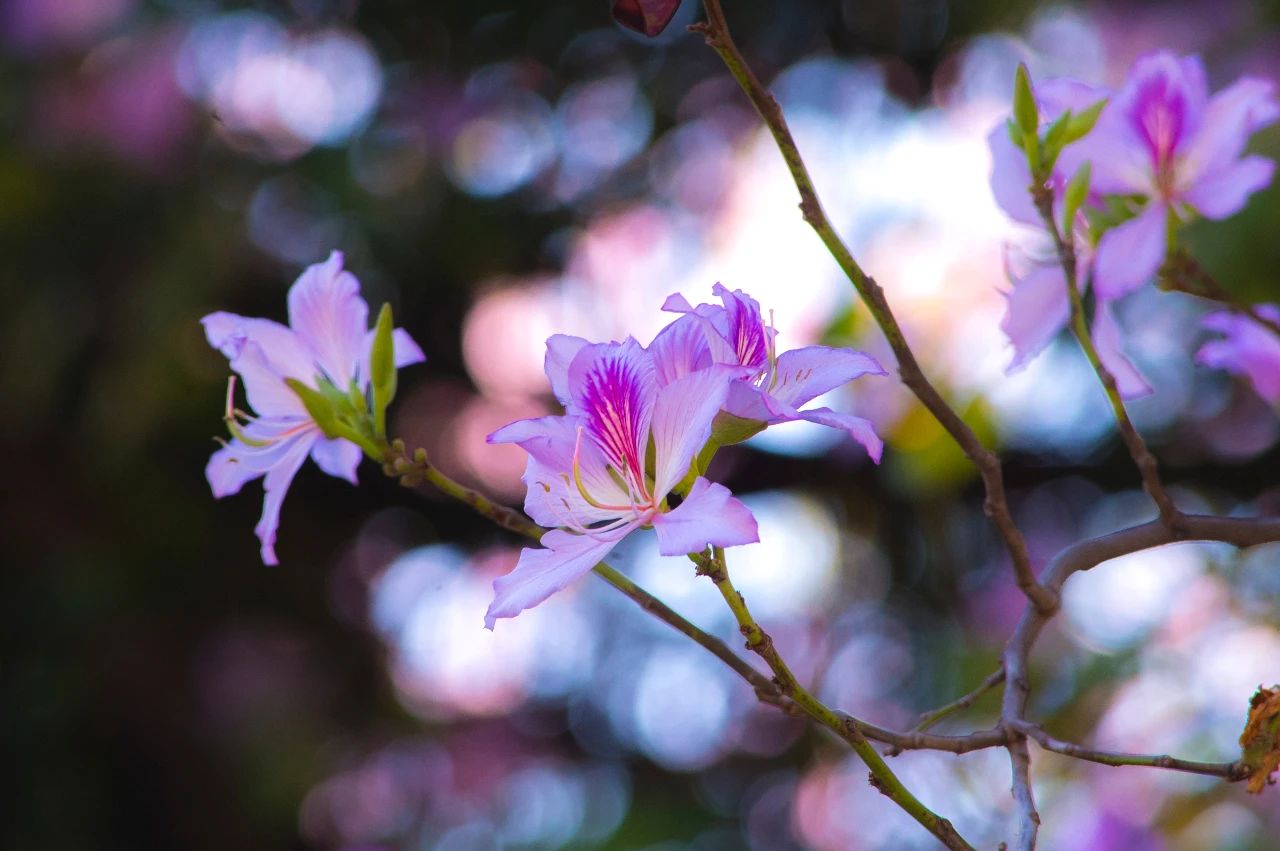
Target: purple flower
1247 348
607 467
1038 306
1163 138
328 337
772 387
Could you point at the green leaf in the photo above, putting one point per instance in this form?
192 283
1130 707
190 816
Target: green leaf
382 368
1055 139
1082 123
1074 197
319 406
1024 103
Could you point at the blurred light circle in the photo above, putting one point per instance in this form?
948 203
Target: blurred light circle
503 149
1119 602
330 86
682 709
603 123
429 605
778 582
293 220
541 805
504 338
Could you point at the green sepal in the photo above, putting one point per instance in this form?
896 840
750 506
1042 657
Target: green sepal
1082 123
1055 139
726 429
382 368
319 405
1074 196
1024 102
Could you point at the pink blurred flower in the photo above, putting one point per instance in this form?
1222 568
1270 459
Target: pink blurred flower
1247 348
1163 138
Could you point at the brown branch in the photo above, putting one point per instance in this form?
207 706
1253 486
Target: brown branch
761 643
1183 273
716 33
1231 771
1239 531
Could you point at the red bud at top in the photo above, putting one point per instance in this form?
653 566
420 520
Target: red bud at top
645 16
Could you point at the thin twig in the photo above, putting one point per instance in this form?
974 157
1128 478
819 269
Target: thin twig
1183 273
1084 555
1148 469
761 643
1231 771
716 33
992 680
412 469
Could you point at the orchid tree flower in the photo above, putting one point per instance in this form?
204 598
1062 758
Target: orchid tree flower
609 465
1163 138
326 345
1248 348
772 387
1038 307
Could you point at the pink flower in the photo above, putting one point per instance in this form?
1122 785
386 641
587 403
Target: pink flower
1038 307
1247 348
772 387
328 337
1163 138
608 466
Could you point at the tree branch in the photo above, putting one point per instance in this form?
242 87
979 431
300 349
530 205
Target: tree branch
716 33
1232 771
761 643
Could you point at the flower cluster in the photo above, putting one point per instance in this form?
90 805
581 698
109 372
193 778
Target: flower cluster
639 427
1162 152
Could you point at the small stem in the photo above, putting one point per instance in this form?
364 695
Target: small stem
1232 771
716 33
992 680
761 643
412 469
1148 469
1183 273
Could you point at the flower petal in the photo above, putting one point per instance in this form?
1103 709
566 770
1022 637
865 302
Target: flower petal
282 351
745 331
264 386
552 497
804 374
541 572
329 316
1247 349
1036 309
1225 192
710 514
612 388
275 485
337 457
1010 177
682 419
858 428
225 472
1106 337
679 349
561 350
1130 254
1230 118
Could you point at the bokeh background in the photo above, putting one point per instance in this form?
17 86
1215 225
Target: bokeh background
501 172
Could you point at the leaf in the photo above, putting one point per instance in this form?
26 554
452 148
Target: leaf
1076 193
382 368
1082 123
1024 102
318 405
1260 741
649 17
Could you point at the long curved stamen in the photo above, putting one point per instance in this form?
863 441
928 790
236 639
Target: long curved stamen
582 489
771 343
231 417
